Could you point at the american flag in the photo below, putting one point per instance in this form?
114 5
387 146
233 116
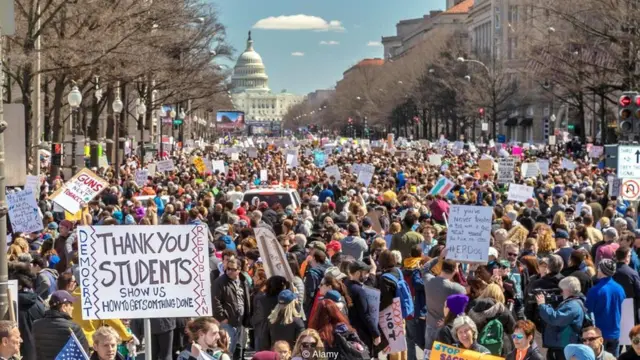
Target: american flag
72 350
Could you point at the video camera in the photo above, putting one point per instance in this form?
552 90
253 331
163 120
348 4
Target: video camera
552 297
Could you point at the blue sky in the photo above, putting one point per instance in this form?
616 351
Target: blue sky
349 26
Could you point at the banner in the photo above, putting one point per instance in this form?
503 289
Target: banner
273 256
469 233
392 325
24 213
442 351
79 190
143 271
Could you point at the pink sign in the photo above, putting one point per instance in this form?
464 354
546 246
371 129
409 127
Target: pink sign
516 151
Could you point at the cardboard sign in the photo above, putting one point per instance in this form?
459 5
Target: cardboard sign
506 173
486 167
142 271
441 351
273 256
79 190
469 233
24 213
392 325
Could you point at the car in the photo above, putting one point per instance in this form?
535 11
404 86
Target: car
274 195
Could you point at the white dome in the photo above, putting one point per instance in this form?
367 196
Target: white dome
249 74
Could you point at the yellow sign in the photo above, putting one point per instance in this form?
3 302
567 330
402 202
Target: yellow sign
199 164
442 351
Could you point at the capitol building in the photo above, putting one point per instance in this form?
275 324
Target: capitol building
250 93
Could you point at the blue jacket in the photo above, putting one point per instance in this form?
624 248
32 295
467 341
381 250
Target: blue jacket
362 315
562 325
324 194
604 300
159 205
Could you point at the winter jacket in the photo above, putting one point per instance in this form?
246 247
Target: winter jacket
225 299
94 356
45 282
90 326
562 326
405 240
361 313
30 309
312 279
64 248
285 332
488 309
585 280
444 335
263 304
51 333
532 354
604 300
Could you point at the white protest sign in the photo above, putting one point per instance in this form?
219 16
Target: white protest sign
366 174
103 162
627 321
334 171
152 168
568 164
264 175
520 193
252 152
23 212
79 190
165 165
273 255
144 271
543 165
292 160
32 182
469 233
596 151
141 176
506 170
529 170
435 159
392 325
235 156
218 165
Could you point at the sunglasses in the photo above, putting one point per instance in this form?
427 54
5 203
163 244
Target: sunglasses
592 339
512 254
232 269
636 341
517 336
308 344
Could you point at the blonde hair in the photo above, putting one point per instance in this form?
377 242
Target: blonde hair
546 243
105 333
314 334
518 234
495 292
284 312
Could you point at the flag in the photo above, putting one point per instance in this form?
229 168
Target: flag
72 350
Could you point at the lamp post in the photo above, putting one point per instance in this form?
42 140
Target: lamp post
173 117
75 99
181 128
117 107
492 78
141 109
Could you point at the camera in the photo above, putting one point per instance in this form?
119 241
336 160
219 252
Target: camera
552 297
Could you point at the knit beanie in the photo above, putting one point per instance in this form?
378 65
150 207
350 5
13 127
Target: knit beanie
457 303
607 266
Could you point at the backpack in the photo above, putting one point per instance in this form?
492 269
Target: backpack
491 337
403 292
587 321
348 343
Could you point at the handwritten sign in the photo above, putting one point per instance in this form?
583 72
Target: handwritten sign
199 164
141 176
23 212
486 166
469 233
392 325
274 258
506 168
33 182
165 165
135 271
443 351
519 193
79 190
333 171
365 175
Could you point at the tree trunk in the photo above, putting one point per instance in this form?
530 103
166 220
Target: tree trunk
93 132
110 131
46 116
57 129
27 83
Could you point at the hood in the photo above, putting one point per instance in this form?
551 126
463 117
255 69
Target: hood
341 328
52 271
351 239
411 263
26 300
485 310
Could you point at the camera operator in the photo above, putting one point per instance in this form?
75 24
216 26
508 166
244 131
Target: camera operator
563 325
548 282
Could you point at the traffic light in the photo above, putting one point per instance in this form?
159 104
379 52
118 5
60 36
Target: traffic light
481 112
628 104
56 154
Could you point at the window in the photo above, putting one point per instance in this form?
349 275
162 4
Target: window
497 19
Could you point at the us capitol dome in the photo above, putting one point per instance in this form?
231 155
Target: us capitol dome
250 93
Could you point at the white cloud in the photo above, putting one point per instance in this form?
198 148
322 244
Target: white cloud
374 43
297 53
329 42
298 22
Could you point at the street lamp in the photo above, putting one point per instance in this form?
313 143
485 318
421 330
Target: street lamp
117 107
173 140
75 99
141 109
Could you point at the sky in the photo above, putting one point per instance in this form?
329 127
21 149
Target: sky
307 44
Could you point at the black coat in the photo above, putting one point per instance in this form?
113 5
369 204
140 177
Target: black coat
360 314
486 310
30 309
263 304
225 300
288 332
586 282
51 333
532 354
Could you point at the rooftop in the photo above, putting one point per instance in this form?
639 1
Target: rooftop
461 8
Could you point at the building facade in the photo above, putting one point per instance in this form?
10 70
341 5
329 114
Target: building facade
264 109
